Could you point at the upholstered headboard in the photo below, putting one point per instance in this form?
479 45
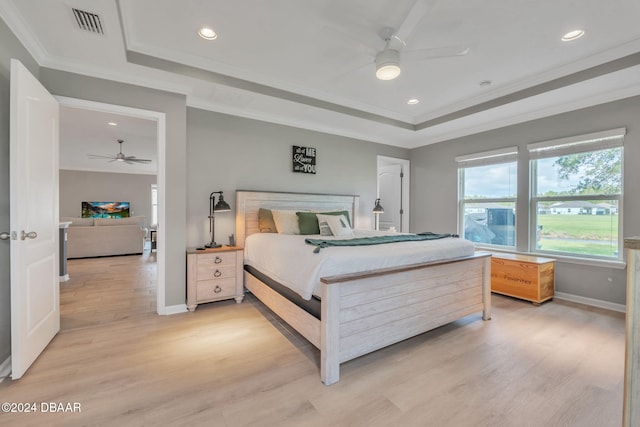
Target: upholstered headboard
249 202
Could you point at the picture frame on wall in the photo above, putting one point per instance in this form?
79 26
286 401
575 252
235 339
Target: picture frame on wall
304 159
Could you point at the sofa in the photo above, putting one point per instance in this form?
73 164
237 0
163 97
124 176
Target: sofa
96 237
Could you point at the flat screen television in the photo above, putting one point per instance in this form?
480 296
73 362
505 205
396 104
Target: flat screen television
105 209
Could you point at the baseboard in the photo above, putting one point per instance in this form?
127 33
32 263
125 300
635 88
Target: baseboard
172 309
5 369
591 301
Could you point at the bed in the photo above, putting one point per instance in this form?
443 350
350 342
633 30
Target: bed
363 311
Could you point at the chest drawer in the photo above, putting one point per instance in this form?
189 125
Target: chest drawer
210 289
211 272
216 259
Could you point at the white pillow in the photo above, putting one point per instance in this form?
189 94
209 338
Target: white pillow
338 224
286 222
325 230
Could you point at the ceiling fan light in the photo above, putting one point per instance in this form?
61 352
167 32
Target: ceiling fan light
388 72
388 64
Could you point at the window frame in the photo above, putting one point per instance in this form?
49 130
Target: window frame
586 143
486 158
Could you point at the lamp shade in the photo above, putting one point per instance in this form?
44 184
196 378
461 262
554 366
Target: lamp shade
378 209
221 206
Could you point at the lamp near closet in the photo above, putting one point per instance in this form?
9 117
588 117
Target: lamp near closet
214 207
377 210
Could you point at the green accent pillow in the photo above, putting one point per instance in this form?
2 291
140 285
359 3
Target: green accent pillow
308 221
265 221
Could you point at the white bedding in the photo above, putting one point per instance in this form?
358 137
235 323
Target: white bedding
292 262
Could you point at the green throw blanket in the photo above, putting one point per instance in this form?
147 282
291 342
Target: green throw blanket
376 240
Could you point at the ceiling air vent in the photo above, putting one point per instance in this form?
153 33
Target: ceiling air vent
88 21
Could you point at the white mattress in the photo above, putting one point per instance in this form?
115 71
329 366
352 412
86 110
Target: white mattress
292 262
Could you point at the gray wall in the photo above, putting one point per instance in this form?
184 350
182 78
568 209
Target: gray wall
174 106
434 184
230 153
81 186
10 47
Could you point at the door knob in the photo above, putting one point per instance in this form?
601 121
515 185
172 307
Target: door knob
29 235
5 236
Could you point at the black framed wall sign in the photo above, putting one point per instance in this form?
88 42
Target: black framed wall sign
304 159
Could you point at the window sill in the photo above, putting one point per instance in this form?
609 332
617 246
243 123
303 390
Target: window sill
564 258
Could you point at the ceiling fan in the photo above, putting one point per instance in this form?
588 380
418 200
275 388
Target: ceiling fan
120 157
387 60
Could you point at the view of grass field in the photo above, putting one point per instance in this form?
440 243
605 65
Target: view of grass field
581 234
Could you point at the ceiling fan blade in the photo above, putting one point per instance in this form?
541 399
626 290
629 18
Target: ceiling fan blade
368 46
134 159
98 156
436 52
120 157
419 9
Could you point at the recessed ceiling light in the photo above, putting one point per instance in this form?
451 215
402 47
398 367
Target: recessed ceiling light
485 83
572 35
413 101
207 33
112 124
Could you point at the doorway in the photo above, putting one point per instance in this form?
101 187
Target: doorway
160 145
393 191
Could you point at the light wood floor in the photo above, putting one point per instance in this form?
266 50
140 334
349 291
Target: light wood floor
228 364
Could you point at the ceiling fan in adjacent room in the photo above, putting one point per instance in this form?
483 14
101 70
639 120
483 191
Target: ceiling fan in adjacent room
120 157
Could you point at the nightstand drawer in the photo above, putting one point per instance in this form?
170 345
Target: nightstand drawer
216 259
210 272
213 289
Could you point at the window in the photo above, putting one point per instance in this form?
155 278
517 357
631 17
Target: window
487 197
154 204
576 194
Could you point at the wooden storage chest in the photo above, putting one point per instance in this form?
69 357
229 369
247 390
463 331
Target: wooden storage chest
531 278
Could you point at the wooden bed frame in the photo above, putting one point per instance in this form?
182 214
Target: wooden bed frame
364 312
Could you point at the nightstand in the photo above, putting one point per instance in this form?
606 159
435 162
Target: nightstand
214 274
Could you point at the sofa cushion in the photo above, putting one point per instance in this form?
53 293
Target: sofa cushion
133 220
83 242
77 222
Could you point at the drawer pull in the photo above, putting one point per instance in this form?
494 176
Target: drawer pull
218 260
217 273
217 289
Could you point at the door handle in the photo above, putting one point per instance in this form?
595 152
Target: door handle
5 235
29 235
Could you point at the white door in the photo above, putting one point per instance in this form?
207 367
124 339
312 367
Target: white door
33 154
389 191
